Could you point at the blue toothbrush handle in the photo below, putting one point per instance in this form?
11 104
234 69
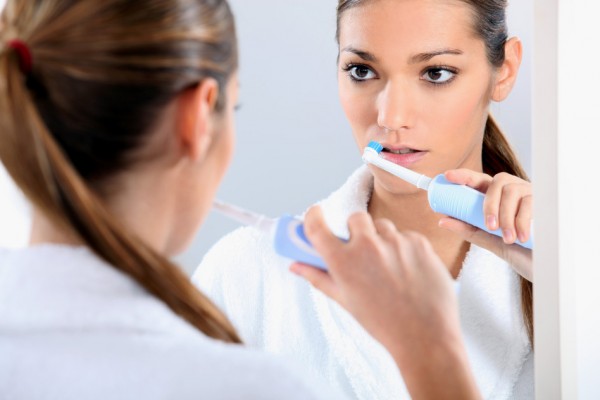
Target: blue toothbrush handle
463 203
291 242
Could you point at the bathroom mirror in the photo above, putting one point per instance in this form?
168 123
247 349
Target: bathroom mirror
292 135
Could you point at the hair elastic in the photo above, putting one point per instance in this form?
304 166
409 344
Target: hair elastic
25 59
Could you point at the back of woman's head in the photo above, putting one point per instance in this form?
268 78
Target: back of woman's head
489 24
82 83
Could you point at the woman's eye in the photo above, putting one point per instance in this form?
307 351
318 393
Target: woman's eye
438 75
361 73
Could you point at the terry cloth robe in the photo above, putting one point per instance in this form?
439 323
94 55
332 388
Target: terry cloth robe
279 312
73 327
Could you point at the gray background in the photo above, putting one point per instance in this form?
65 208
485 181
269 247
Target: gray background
294 145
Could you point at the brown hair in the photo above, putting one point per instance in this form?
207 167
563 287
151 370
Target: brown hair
497 154
102 73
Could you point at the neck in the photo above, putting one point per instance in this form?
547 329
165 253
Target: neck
134 200
411 212
43 230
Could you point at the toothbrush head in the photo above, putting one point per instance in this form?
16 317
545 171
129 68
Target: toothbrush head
371 152
375 146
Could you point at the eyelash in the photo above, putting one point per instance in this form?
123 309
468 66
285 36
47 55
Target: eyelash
452 70
348 68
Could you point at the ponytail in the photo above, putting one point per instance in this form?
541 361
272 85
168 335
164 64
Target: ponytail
40 167
498 156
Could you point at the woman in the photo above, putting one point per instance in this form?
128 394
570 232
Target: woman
117 123
417 76
111 111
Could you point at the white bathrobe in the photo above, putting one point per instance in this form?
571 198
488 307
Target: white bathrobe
73 327
281 313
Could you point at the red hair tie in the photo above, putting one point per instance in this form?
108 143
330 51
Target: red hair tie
25 59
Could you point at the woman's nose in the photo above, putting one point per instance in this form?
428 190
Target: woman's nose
394 108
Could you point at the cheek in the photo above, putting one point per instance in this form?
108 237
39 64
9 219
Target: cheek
358 106
458 118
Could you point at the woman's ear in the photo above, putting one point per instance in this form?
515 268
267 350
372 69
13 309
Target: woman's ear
195 118
507 73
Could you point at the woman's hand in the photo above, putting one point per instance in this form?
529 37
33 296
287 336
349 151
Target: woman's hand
401 293
508 206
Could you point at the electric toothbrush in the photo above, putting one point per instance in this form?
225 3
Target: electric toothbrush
456 201
287 233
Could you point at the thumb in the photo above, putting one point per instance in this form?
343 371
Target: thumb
318 278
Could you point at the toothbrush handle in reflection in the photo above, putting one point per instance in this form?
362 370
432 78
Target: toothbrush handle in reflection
463 203
291 242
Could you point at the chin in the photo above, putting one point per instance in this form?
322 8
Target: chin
394 185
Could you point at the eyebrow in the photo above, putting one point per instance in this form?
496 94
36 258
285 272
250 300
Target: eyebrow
417 58
365 55
423 57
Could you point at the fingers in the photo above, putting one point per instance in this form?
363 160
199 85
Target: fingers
507 206
524 217
507 203
507 211
360 224
472 234
317 278
319 234
386 229
476 180
519 258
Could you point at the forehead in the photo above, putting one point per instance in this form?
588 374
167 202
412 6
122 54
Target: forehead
409 26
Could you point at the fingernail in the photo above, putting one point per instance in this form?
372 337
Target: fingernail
508 235
491 222
521 236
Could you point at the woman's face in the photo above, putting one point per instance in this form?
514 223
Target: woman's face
413 76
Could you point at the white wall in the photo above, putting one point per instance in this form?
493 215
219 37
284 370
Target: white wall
571 100
566 143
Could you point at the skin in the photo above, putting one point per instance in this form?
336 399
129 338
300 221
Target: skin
395 88
191 143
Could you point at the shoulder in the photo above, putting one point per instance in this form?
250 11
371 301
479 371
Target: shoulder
239 272
485 269
149 367
253 374
240 246
213 369
238 257
488 279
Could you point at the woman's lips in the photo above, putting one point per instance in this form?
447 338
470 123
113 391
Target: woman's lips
404 160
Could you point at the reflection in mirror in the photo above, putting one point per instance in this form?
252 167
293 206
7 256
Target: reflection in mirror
424 93
412 76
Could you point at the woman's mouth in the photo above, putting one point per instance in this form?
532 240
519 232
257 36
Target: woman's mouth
403 156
